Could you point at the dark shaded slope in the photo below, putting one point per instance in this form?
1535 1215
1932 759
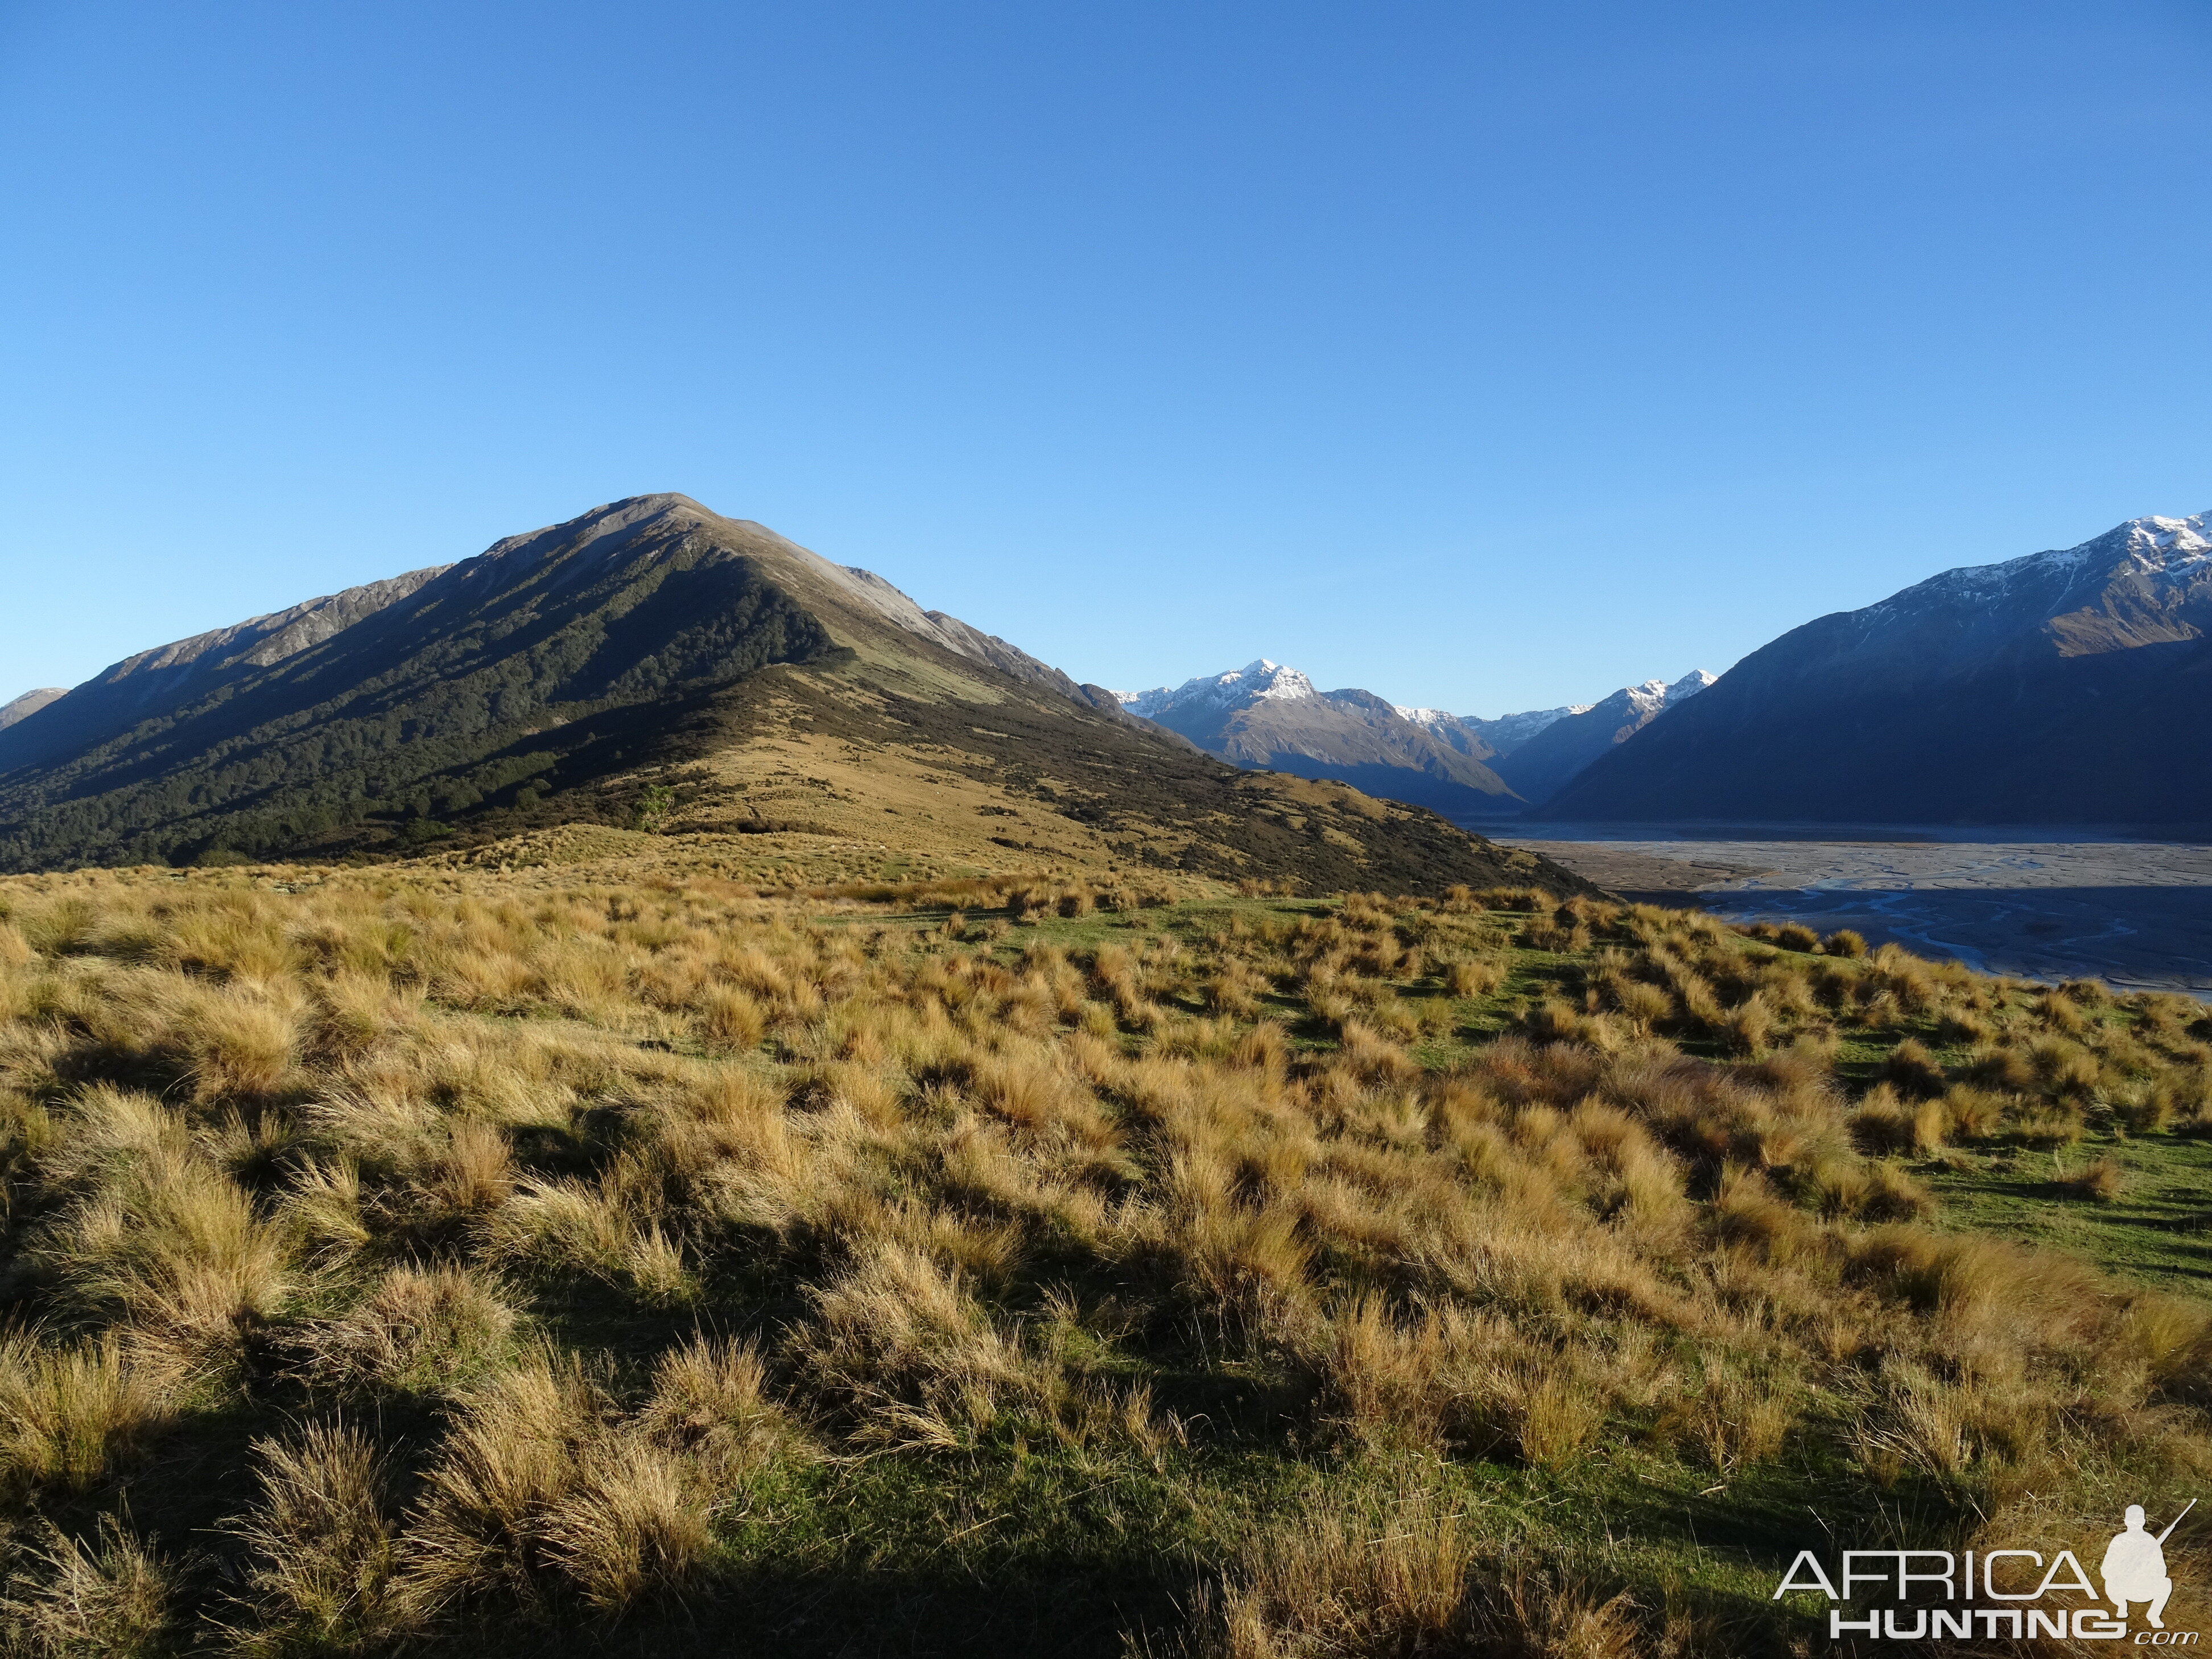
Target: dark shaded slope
441 685
2126 738
2073 687
21 709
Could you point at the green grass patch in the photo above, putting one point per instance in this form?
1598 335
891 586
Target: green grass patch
2157 1228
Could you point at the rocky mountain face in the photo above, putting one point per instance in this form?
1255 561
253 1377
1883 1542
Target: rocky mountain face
652 663
28 704
1541 766
2067 687
1266 715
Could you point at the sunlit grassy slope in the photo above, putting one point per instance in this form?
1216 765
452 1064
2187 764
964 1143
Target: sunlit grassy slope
515 1254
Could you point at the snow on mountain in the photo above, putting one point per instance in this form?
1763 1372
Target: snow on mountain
1267 713
1523 724
2169 551
1503 735
2148 564
1542 763
1263 679
2069 686
1651 696
1237 688
2169 545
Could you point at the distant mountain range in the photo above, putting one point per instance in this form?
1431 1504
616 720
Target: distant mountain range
1541 766
653 663
571 672
2073 686
2066 687
1265 715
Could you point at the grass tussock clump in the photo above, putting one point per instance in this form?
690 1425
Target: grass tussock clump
69 1412
110 1595
420 1331
321 1544
547 1495
901 1340
1408 1579
2099 1181
547 1266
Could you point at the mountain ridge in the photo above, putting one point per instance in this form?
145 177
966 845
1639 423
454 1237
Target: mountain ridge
1469 733
126 690
2072 685
1539 767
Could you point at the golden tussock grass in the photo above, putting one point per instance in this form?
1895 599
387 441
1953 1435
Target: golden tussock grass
69 1598
67 1410
322 1546
569 1254
1403 1579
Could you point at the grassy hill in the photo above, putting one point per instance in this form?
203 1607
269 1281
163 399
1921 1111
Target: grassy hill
652 666
591 1243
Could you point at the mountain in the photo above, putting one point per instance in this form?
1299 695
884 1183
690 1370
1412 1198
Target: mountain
1265 715
170 676
28 704
652 664
1541 765
1012 660
2067 687
1487 740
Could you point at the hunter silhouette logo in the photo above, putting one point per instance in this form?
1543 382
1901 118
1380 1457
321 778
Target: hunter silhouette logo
2134 1566
2001 1593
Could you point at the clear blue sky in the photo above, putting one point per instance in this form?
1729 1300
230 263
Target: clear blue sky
1484 355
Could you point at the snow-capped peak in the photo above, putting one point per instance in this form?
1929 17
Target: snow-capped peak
1263 679
1258 679
2160 543
1655 695
2169 550
1269 679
